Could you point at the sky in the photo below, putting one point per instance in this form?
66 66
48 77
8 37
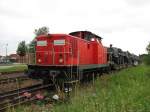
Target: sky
122 23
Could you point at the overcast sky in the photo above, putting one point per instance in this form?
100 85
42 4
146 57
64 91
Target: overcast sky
123 23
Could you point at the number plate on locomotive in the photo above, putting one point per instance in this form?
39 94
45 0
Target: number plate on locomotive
59 42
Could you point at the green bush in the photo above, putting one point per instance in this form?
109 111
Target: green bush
146 59
124 91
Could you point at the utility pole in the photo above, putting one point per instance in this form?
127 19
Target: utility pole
0 49
6 52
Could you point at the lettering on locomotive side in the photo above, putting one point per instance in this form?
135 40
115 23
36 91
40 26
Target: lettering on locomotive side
59 42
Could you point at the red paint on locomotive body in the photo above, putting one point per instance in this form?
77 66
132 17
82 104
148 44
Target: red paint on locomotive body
70 50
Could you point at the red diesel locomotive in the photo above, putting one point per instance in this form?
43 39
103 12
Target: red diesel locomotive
69 56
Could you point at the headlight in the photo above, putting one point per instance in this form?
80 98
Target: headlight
60 60
39 60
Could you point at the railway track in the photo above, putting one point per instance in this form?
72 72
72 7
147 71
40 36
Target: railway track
13 79
15 97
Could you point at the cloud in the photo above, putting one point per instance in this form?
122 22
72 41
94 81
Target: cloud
117 21
137 2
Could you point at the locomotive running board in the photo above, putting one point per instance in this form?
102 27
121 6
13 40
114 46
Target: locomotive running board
93 66
62 67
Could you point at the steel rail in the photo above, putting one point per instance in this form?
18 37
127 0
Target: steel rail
9 100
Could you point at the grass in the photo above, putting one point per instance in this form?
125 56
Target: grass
13 68
125 91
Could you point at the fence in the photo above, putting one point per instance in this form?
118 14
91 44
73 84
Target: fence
27 59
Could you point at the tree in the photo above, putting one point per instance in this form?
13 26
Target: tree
41 31
148 48
31 46
146 57
21 50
